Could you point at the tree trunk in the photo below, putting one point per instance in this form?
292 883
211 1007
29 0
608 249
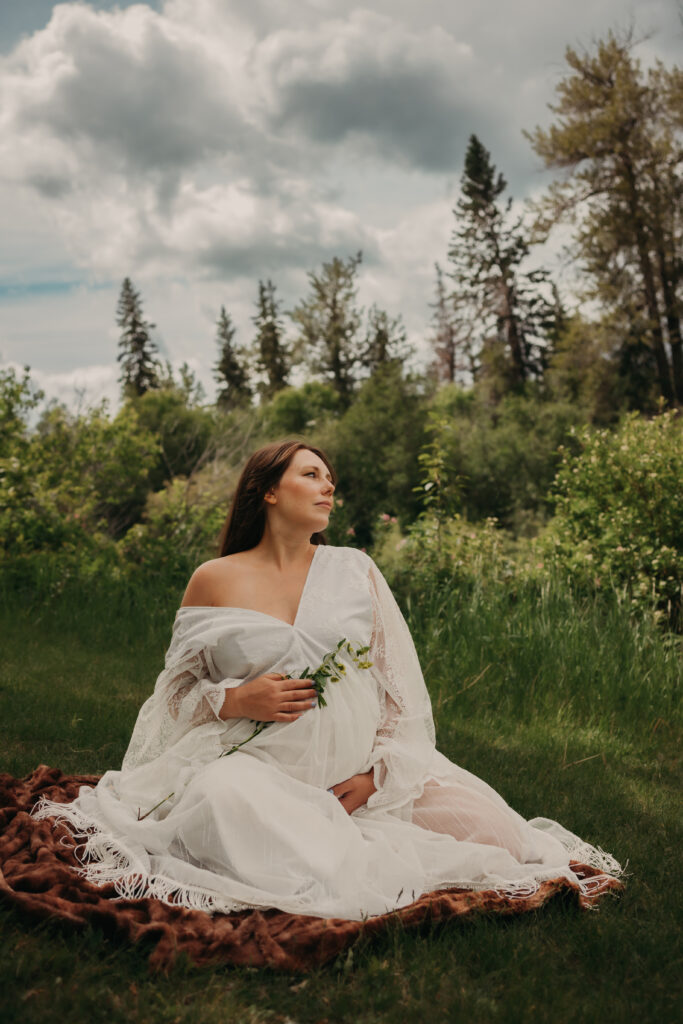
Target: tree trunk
513 336
673 322
646 270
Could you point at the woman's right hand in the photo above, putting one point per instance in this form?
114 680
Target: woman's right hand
269 698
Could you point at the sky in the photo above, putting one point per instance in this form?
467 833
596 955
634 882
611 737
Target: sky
198 146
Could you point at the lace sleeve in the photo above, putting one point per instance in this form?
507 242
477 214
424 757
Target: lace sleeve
187 694
193 697
404 745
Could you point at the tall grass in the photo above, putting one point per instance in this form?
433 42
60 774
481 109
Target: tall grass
564 704
540 651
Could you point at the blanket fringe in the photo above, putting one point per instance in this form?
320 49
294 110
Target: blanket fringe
104 861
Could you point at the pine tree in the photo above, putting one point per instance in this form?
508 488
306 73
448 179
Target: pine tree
329 325
507 306
452 337
617 137
272 356
230 372
385 340
140 366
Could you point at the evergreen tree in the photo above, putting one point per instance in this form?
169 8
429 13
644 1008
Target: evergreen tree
137 352
230 372
617 137
385 340
272 356
329 325
511 314
452 337
190 387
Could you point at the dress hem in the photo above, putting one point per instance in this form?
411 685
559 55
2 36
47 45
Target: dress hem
104 860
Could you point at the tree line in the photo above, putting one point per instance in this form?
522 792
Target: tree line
335 342
500 323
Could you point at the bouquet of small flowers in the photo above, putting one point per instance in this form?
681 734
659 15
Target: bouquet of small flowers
330 669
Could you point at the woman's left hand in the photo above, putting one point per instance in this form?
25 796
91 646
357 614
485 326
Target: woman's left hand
354 792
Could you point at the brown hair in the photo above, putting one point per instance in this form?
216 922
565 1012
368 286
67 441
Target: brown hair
246 519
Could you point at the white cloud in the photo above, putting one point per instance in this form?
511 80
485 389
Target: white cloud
201 146
369 75
135 129
80 388
127 90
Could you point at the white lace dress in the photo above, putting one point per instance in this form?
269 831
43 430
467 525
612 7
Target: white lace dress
258 828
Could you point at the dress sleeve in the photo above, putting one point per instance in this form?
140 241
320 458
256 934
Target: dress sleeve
404 745
187 694
193 697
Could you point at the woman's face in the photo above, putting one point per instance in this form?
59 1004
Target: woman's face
303 495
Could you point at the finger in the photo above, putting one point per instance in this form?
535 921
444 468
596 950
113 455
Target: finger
300 683
296 706
287 716
302 695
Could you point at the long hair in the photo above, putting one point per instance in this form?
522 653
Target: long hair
246 519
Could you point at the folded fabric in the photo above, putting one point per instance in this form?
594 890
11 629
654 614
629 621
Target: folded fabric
39 875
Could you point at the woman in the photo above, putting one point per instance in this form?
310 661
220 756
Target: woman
339 807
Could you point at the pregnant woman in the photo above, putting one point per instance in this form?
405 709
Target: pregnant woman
274 766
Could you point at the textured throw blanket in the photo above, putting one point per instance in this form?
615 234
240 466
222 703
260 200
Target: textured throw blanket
37 875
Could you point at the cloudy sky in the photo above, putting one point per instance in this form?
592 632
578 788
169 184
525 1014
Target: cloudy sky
199 145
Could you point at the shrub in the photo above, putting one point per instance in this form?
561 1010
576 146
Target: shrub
442 554
179 529
298 410
505 456
18 398
184 432
619 514
72 476
374 447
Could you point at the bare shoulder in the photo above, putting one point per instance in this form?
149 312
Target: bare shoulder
201 587
207 584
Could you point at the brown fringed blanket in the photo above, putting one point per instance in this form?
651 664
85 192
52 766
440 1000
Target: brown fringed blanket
37 861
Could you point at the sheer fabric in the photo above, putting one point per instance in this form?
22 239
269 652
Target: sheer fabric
258 828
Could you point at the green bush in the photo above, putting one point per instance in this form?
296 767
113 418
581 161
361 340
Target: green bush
505 455
374 447
73 477
442 554
18 398
179 529
185 432
299 410
619 513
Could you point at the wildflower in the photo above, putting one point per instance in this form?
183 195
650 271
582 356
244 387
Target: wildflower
385 517
351 531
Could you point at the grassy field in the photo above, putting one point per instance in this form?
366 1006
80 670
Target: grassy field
565 707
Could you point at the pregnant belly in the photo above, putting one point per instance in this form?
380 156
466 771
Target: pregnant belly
327 744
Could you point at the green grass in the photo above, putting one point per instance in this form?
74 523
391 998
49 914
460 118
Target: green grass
575 717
